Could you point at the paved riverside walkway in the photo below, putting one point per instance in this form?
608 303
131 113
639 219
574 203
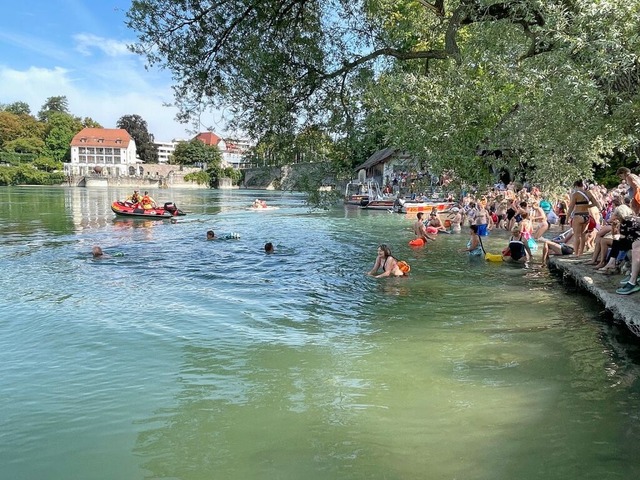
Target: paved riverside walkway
624 308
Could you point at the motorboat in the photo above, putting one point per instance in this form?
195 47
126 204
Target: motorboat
366 193
129 209
412 206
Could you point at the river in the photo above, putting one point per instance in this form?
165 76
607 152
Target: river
178 358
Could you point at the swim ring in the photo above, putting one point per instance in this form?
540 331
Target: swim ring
416 242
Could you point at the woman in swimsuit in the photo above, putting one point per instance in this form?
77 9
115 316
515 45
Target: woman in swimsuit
539 218
474 245
578 212
518 249
386 262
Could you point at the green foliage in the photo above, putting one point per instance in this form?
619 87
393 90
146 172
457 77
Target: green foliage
61 128
13 158
88 122
25 145
216 173
28 175
33 149
18 108
547 90
15 126
195 152
201 178
57 104
47 164
136 126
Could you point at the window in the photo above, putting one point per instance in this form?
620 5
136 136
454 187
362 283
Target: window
108 159
82 159
108 151
91 150
100 151
82 150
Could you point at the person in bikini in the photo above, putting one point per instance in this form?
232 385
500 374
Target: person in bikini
578 211
550 247
386 262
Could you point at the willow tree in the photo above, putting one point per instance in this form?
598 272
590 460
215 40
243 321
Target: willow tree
547 87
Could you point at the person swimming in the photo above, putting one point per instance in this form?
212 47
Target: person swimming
211 235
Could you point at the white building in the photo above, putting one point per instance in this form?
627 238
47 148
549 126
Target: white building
111 150
166 149
234 151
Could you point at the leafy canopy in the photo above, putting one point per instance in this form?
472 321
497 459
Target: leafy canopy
545 89
195 152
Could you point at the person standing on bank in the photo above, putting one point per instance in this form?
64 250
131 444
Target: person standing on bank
578 211
633 181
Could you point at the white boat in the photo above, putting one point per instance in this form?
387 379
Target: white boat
366 193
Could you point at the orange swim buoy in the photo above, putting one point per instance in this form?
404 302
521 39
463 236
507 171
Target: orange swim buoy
416 242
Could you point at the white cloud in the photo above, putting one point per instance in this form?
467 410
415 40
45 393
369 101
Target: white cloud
35 85
86 42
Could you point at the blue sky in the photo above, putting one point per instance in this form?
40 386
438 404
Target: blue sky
77 48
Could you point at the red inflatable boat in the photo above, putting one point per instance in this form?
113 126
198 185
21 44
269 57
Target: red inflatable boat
128 209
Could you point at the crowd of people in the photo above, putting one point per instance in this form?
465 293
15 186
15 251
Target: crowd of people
590 219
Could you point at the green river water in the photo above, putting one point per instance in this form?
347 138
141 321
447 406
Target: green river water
188 359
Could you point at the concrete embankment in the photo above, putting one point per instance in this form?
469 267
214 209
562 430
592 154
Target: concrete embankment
623 308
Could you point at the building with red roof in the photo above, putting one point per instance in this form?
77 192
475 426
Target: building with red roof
110 151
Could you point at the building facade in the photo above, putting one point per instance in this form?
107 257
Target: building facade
235 152
110 152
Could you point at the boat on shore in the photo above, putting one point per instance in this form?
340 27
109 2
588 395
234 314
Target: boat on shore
441 206
128 209
367 194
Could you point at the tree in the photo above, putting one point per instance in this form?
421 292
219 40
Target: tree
89 122
18 108
15 126
195 152
61 128
58 104
137 128
548 89
25 145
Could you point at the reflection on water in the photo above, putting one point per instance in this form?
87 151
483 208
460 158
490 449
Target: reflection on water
192 359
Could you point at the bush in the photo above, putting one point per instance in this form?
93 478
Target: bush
201 178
